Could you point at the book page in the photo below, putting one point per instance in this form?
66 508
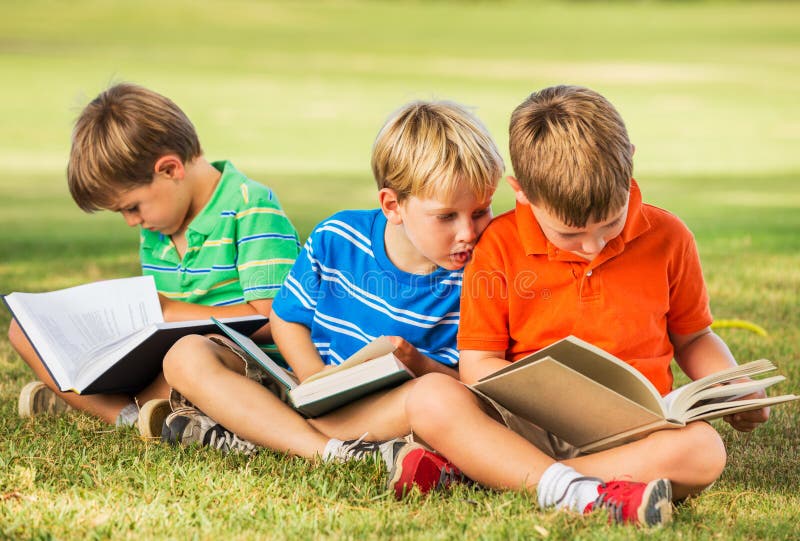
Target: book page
68 326
685 397
717 410
380 346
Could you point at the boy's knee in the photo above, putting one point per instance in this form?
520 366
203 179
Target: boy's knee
434 396
180 361
706 445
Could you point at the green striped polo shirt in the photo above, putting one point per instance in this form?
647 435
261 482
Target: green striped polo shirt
240 247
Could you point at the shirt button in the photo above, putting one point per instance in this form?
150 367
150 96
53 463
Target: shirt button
589 273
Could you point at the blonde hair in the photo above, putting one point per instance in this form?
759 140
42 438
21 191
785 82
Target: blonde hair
433 148
117 140
571 153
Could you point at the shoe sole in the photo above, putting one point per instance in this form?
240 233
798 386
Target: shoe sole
398 468
151 418
656 507
25 403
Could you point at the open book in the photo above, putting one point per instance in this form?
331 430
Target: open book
370 369
595 401
105 337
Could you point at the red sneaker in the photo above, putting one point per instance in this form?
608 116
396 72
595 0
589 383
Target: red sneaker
636 503
415 465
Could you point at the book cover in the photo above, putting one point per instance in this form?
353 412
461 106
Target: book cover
373 368
594 401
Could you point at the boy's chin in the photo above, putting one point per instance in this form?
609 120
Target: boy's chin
451 265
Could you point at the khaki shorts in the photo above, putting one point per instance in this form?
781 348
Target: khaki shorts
548 443
251 369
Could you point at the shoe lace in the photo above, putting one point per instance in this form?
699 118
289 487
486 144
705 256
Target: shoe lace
576 480
357 449
227 441
614 496
449 475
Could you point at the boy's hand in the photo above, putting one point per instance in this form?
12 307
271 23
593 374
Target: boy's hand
746 421
165 304
407 353
415 361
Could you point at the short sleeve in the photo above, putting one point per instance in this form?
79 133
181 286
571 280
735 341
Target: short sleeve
297 299
689 309
484 301
267 245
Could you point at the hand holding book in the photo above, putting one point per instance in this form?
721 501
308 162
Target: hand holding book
747 421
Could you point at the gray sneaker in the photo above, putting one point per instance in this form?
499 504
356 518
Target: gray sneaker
187 426
36 398
360 449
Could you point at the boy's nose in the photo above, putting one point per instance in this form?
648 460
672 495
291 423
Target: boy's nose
593 246
132 218
467 233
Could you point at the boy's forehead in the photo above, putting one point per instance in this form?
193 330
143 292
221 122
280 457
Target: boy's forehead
121 198
454 198
554 220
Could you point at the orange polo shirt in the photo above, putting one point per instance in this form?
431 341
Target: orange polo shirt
521 293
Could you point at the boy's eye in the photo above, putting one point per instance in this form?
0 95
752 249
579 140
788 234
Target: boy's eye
445 217
133 208
481 213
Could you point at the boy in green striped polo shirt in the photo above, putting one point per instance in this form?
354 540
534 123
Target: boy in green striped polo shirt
216 243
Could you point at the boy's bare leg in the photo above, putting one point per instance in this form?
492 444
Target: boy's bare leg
381 415
211 377
488 452
450 419
104 406
692 458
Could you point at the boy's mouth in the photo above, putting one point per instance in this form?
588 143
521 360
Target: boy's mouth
461 257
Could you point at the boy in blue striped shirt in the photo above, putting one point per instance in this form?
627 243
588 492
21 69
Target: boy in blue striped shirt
395 270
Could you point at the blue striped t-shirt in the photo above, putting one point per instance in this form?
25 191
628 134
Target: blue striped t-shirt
345 289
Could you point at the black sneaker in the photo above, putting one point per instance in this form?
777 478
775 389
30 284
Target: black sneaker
187 426
360 449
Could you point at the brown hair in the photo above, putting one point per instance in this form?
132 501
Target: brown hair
117 140
571 153
429 148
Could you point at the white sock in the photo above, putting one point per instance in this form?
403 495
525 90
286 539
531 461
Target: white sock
128 415
563 488
330 449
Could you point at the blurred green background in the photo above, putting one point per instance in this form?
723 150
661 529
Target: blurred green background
295 92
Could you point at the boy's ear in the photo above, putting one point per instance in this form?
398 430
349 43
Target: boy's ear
390 205
170 166
518 193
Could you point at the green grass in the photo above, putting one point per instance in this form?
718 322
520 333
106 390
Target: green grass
294 93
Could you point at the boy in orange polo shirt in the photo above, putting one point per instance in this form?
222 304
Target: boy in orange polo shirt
581 254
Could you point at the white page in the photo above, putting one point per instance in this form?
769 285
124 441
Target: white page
67 326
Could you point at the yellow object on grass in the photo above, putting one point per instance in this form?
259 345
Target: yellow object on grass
739 324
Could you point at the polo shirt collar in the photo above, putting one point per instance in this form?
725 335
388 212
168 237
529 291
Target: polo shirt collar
535 243
208 217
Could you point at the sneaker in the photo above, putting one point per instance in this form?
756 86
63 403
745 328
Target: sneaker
360 449
152 416
414 465
187 426
36 398
648 504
